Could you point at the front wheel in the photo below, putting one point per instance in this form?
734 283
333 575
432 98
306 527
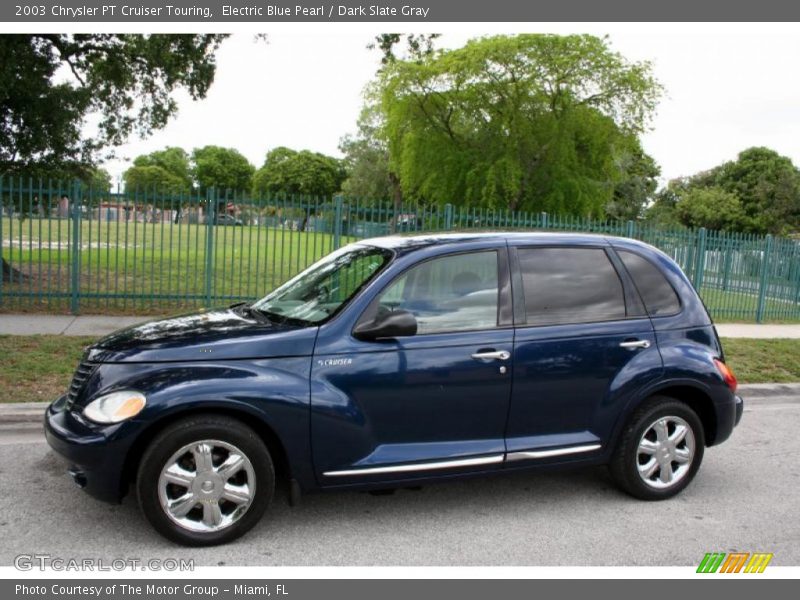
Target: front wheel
659 451
205 480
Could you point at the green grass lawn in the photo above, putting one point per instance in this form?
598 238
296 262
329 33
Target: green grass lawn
152 268
39 368
763 361
159 263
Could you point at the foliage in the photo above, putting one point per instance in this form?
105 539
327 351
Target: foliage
225 169
287 171
637 188
530 122
712 208
418 45
759 192
366 159
164 171
126 80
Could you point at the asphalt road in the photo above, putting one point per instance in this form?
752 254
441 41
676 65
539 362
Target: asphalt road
745 498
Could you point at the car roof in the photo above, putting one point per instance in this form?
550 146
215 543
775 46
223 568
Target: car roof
408 242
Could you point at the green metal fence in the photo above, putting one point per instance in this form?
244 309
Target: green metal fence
67 248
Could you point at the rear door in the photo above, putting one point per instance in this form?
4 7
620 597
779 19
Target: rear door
582 344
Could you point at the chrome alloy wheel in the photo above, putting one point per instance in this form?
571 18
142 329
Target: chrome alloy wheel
206 486
665 452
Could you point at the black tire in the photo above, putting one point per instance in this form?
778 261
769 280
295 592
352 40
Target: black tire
194 429
624 465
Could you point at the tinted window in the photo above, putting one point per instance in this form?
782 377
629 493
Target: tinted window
452 293
657 294
324 287
570 285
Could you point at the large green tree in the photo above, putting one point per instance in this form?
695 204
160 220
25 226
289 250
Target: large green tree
53 82
225 169
527 122
304 173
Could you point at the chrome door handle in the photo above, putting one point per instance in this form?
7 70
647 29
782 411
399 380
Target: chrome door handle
635 344
493 355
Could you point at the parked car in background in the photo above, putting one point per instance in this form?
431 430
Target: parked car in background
227 220
401 361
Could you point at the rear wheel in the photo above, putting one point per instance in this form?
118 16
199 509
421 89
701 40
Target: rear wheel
660 449
205 480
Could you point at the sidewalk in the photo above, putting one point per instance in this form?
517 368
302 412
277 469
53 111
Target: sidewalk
90 325
97 325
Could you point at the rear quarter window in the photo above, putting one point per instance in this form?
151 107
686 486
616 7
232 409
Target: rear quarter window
658 295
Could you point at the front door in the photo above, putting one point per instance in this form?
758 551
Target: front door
428 404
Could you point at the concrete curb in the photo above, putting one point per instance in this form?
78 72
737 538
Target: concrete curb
33 412
22 412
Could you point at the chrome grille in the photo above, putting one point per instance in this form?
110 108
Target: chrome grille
82 374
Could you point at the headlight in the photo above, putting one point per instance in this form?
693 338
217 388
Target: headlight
115 407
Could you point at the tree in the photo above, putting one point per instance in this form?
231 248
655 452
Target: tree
636 190
225 169
759 192
768 186
163 172
712 208
126 80
366 159
529 122
305 173
418 45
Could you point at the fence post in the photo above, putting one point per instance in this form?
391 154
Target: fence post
764 280
544 220
726 267
337 222
75 268
700 259
629 229
211 210
448 217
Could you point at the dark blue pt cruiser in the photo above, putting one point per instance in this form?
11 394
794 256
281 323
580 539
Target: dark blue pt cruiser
399 361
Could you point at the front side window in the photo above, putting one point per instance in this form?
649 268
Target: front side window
326 286
570 285
452 293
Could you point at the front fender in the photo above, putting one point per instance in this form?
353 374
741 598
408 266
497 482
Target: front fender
270 394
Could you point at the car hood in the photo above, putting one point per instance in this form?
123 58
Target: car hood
225 334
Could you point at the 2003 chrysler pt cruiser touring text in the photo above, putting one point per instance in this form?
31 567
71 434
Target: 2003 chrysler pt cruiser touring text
402 360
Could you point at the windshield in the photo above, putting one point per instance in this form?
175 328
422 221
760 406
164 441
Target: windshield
326 286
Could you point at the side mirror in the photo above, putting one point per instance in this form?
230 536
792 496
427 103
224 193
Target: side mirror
390 324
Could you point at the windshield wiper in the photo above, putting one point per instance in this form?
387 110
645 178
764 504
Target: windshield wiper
247 309
279 318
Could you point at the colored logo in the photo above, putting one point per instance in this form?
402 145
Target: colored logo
735 562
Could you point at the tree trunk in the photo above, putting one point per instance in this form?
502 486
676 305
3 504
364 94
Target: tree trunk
12 275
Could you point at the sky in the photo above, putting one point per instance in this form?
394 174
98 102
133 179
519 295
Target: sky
725 92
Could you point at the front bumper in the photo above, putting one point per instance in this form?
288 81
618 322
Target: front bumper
96 455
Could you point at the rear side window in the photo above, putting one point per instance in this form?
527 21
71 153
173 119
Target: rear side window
570 285
657 294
